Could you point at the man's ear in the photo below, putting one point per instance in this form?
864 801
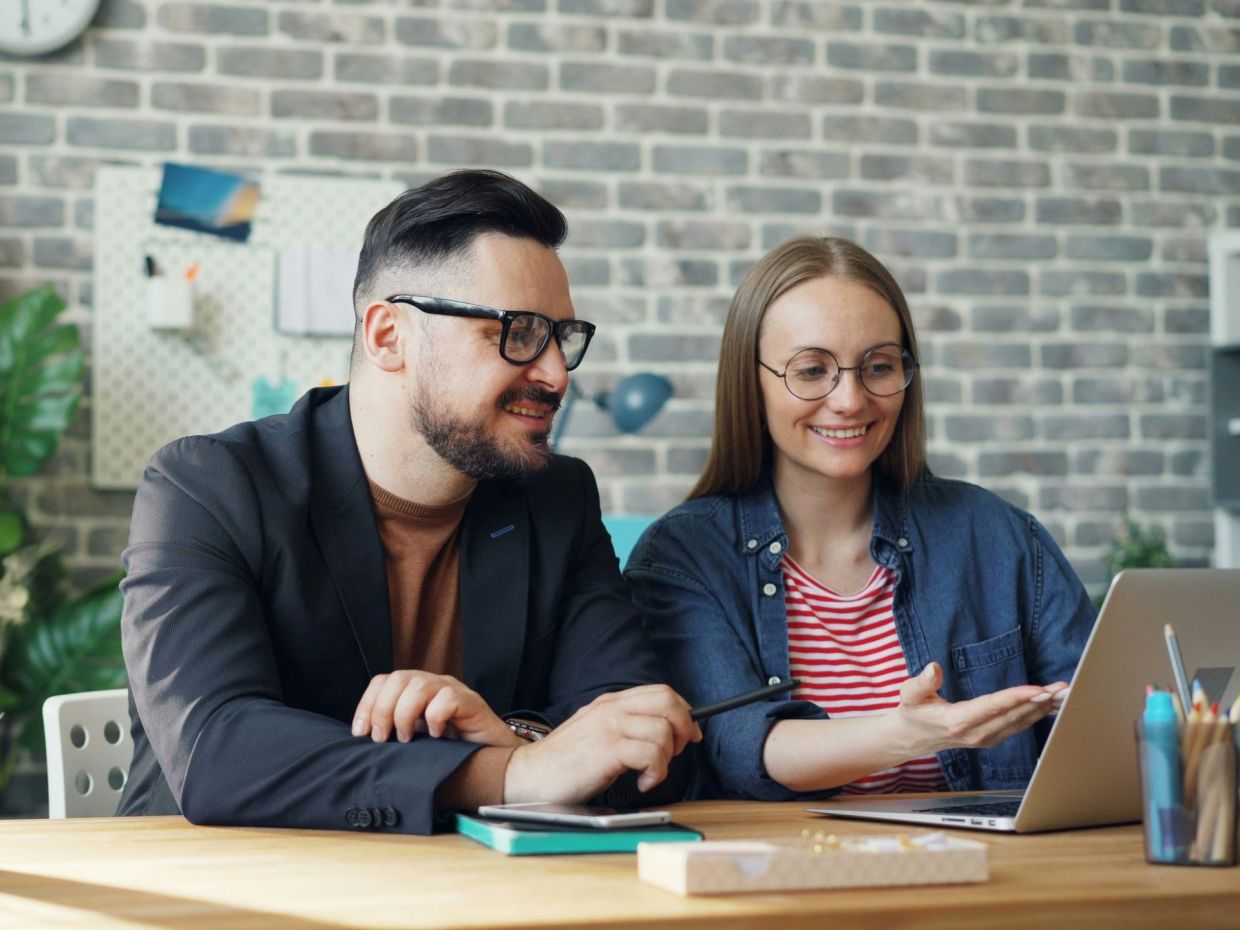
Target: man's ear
382 339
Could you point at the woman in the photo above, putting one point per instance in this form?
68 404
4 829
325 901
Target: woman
914 611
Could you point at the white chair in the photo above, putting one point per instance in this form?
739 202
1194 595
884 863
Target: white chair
88 752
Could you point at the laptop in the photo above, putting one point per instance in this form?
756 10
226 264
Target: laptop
1087 773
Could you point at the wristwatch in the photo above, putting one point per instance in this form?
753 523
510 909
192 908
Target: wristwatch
527 729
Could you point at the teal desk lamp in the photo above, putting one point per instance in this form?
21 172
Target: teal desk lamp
632 403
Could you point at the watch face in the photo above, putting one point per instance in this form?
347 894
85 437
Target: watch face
32 27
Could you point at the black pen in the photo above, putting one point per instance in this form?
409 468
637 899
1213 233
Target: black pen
740 700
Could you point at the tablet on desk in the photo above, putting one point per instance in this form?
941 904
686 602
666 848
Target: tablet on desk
576 815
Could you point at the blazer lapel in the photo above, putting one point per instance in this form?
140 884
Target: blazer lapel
343 520
494 585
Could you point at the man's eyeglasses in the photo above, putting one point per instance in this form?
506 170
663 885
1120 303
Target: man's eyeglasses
812 374
525 335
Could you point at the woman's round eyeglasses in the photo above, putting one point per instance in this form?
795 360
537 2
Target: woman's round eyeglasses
812 374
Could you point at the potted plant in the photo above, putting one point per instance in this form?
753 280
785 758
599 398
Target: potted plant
1137 547
52 640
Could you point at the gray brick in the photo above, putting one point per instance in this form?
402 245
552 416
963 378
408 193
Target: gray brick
912 278
1190 462
606 234
988 29
1164 7
69 252
77 90
8 88
8 169
930 24
1190 251
81 501
903 205
1112 105
773 200
460 150
66 172
1228 76
1072 139
982 282
446 33
332 27
666 494
855 130
915 167
586 272
499 75
644 118
946 465
691 45
1199 180
1189 39
1056 66
700 234
715 12
133 55
1190 73
113 133
768 50
572 193
385 69
912 243
541 114
1061 211
205 98
1160 284
446 111
1231 148
1164 213
561 37
1107 177
84 215
704 160
714 85
1090 318
323 104
621 79
663 195
987 427
973 64
1170 142
1012 246
363 146
242 140
1206 110
613 310
990 209
499 6
1076 356
809 88
605 156
1187 321
972 135
1019 391
620 463
635 9
1000 464
764 124
1007 173
871 57
1180 358
1116 390
816 16
12 252
673 347
1021 318
215 20
693 310
26 129
1118 34
1173 426
1107 498
1193 533
1115 462
913 96
1020 101
269 62
671 273
687 460
108 541
787 163
1056 283
1110 248
985 356
121 14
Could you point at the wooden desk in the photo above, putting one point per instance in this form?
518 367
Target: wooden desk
163 872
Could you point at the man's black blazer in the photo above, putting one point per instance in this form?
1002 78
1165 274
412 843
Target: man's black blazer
256 612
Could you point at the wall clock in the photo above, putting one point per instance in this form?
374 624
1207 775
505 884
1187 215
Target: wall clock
35 27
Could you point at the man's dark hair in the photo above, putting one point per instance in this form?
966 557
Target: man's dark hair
441 219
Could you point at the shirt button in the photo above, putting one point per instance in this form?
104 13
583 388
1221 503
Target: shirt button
774 680
902 543
769 589
752 544
776 548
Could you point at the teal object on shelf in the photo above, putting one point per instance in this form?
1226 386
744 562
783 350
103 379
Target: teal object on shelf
624 532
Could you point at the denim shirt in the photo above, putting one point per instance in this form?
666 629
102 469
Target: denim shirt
980 587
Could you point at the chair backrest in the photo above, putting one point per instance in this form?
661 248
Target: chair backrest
88 752
624 532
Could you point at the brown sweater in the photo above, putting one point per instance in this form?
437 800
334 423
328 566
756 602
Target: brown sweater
422 556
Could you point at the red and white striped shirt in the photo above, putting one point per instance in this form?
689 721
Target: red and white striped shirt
845 652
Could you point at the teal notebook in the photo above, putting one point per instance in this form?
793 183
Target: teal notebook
533 839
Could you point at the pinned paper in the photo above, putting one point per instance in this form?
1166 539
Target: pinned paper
314 291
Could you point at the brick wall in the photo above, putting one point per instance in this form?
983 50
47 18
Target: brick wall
1042 176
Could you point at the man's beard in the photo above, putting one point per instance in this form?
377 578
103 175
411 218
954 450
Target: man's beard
465 444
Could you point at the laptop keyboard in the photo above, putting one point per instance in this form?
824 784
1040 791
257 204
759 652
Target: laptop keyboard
981 808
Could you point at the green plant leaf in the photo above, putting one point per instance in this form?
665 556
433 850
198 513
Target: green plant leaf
12 529
77 648
41 366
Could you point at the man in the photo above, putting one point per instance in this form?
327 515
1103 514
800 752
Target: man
308 593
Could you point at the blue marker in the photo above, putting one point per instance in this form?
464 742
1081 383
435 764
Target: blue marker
1163 785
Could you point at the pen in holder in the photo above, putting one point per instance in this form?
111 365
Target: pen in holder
1188 787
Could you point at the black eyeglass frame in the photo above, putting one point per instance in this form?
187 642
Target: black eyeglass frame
444 306
911 369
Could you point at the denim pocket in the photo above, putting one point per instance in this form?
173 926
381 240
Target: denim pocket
986 667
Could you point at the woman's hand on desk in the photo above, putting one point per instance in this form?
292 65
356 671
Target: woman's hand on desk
410 701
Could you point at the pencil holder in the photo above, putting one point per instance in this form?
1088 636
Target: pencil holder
169 302
1188 798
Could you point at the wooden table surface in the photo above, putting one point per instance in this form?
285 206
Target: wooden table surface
163 872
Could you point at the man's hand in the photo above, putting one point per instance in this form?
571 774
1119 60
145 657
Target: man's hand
410 701
639 729
931 724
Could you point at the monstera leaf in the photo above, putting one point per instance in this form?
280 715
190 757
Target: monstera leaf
41 367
